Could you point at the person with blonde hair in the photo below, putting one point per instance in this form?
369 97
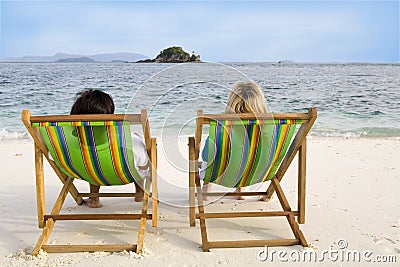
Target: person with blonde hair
244 97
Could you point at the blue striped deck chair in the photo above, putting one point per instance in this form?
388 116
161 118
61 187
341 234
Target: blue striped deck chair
96 148
247 149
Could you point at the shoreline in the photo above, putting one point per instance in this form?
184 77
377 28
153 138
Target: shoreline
352 194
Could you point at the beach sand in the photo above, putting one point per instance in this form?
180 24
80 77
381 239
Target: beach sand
352 195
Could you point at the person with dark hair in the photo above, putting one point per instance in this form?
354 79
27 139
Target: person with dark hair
93 102
97 102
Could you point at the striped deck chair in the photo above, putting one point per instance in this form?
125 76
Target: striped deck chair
246 149
98 149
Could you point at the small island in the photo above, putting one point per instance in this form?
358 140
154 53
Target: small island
174 54
285 61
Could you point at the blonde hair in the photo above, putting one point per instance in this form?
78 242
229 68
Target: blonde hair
246 97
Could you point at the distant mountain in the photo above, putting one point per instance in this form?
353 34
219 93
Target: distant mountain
124 57
75 60
131 57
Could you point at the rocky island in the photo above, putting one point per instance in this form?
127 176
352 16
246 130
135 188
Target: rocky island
174 54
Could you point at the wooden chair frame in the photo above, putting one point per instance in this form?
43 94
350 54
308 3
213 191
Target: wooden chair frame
298 145
47 221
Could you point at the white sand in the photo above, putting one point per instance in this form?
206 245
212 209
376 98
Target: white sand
352 194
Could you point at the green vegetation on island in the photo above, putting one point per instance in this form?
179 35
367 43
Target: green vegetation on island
173 54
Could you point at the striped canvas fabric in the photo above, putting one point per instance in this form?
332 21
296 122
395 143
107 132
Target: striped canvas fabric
242 153
97 152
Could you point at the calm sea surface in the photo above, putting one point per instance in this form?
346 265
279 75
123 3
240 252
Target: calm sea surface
353 100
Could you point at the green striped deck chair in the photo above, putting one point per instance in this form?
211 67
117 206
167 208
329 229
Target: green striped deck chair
98 149
247 149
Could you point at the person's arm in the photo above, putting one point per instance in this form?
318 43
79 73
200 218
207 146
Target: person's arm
204 153
140 155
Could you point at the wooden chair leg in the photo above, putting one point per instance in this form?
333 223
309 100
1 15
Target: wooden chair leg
301 202
142 225
296 230
50 222
192 174
154 186
192 201
40 199
44 237
281 196
203 229
286 207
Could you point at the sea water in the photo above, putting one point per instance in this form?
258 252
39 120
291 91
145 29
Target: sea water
353 100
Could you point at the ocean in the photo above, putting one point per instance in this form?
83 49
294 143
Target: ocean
353 100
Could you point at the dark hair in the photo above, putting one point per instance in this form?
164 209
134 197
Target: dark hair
93 102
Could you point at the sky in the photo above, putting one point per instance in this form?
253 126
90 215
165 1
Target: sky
220 31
